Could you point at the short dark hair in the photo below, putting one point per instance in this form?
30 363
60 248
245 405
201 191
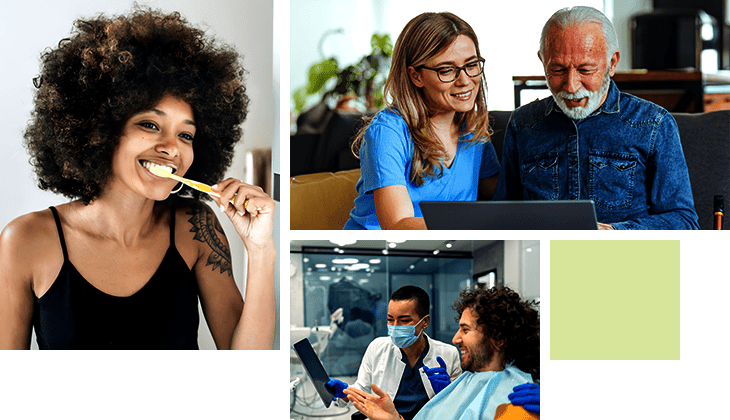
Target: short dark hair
506 319
416 294
112 68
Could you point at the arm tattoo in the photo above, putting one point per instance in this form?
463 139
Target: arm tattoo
204 226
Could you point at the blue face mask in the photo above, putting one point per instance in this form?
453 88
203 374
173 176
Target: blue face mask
404 336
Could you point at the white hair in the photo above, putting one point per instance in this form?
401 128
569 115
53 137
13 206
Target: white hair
572 16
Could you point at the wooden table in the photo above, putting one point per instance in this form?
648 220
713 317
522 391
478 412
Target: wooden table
675 90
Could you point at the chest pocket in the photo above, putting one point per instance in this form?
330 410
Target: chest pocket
539 175
611 179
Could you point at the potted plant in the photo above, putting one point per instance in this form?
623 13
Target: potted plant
362 81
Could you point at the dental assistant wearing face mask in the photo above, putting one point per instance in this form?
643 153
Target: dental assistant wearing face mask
431 143
124 265
399 363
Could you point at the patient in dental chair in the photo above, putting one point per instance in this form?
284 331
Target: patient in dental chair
499 339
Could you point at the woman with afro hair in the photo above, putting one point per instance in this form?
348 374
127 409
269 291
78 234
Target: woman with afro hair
124 264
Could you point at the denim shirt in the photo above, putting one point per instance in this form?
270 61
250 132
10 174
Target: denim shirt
626 157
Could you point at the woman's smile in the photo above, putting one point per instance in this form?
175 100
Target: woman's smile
162 136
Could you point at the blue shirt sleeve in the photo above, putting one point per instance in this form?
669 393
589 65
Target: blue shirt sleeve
490 163
384 157
509 186
671 205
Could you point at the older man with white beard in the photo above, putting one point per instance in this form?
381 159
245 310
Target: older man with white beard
589 141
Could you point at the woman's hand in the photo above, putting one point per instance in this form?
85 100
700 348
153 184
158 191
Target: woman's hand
375 407
252 211
252 215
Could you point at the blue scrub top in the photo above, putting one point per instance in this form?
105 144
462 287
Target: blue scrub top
385 160
411 395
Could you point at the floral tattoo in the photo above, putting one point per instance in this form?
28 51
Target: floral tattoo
205 226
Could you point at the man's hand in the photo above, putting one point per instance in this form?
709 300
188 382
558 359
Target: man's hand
375 407
605 226
438 376
526 395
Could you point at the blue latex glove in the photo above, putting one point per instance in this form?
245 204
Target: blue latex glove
336 386
526 395
438 376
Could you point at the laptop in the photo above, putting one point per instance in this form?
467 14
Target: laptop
315 369
510 215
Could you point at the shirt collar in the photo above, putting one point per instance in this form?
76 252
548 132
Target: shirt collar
609 106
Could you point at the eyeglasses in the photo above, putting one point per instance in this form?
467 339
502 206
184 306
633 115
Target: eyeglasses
448 74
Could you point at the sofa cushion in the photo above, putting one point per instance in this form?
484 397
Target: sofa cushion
322 200
706 144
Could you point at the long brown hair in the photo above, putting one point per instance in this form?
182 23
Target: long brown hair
423 38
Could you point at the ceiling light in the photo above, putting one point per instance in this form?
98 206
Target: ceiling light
320 265
343 242
374 261
436 252
345 261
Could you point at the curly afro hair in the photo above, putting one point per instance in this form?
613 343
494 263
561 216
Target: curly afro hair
509 320
112 68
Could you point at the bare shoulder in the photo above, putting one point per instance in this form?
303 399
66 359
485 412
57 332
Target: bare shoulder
33 230
29 241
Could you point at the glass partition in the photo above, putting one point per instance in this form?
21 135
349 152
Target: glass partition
360 281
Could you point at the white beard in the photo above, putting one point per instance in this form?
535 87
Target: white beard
594 100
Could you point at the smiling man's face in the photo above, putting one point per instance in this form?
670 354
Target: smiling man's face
476 351
576 68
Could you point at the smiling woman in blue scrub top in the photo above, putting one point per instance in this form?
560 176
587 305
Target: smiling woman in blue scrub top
431 142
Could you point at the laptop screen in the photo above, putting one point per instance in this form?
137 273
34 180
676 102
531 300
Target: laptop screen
314 369
509 215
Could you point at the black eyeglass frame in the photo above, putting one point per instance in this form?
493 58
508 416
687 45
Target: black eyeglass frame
458 70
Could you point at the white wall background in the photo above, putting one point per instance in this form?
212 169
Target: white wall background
522 267
29 27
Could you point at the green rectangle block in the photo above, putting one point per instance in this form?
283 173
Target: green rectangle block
614 300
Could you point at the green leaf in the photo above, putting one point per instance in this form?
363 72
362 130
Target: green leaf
300 99
381 43
319 74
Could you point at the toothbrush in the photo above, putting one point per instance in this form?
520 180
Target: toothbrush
189 182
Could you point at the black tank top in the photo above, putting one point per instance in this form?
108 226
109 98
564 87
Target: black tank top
163 314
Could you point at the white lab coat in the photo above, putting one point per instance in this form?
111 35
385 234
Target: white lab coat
382 365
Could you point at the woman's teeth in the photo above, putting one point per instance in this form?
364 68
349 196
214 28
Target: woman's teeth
149 165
